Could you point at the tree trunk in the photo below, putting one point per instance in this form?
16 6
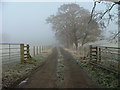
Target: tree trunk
75 39
83 42
68 44
76 45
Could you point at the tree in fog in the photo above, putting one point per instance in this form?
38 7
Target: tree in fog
71 25
89 32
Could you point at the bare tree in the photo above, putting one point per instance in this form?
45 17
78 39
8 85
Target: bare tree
71 21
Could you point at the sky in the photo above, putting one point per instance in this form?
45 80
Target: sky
24 22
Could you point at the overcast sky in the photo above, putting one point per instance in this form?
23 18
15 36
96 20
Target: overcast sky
24 22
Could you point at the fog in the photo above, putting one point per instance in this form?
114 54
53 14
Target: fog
24 22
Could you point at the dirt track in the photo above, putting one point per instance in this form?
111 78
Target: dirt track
46 76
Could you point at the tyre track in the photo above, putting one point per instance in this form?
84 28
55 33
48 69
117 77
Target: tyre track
59 71
45 76
74 76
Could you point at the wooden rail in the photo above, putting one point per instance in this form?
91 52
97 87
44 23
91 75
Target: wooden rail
9 43
105 57
23 51
93 53
11 50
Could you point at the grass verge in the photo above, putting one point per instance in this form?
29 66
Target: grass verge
19 72
102 77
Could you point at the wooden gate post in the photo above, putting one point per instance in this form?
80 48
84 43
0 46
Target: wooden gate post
22 53
99 54
28 51
90 53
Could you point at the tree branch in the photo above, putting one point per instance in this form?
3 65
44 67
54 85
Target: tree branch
107 10
92 12
116 35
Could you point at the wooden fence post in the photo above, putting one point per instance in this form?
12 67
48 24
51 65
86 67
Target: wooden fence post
37 50
44 48
41 48
9 51
22 53
33 50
